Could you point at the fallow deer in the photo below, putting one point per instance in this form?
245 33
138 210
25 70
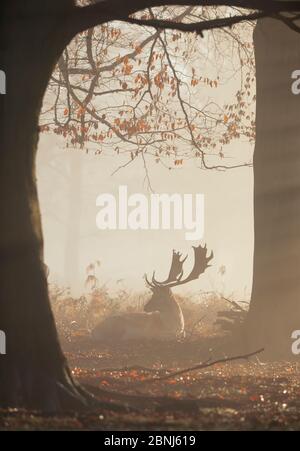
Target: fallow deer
162 318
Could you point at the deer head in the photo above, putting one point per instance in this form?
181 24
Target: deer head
162 294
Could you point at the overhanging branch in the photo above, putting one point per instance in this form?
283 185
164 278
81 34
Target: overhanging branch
104 11
198 27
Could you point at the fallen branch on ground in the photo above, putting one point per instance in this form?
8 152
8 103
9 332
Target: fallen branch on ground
208 364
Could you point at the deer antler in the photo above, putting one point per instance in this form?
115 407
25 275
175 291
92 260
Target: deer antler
150 285
176 272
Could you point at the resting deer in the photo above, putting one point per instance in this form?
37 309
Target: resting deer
162 318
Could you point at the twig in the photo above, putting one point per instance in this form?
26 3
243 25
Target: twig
235 304
206 365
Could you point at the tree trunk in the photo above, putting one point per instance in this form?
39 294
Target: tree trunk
34 372
72 276
275 304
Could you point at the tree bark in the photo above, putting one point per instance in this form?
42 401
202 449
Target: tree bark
275 304
34 372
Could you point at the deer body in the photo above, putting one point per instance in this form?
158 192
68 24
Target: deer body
162 318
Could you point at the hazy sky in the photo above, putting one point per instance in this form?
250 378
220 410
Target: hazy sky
128 255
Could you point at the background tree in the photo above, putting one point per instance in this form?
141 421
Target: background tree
65 174
275 302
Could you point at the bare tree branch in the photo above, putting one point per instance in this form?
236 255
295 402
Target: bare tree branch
81 19
198 27
148 120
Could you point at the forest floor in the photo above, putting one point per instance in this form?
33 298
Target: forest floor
243 395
